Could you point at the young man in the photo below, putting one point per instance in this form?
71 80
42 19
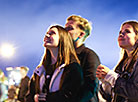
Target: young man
80 29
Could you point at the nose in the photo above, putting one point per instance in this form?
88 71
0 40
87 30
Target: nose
46 36
122 34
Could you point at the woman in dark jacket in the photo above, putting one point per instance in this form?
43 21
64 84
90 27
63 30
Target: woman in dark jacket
59 76
122 84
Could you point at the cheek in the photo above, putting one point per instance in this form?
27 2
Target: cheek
57 41
71 33
132 41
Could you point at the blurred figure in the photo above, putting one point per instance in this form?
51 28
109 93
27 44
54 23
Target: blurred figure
11 95
59 76
23 87
121 85
79 29
3 86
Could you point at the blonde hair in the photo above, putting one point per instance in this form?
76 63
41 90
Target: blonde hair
83 24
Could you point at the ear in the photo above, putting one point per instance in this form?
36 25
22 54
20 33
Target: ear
81 34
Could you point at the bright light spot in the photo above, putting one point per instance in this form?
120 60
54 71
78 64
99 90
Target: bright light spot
6 50
14 77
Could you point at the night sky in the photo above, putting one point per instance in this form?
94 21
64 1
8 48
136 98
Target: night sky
23 24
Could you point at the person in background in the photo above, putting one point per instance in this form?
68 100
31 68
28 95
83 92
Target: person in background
79 29
121 85
12 96
3 86
23 87
59 77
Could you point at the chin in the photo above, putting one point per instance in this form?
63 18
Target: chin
44 45
123 47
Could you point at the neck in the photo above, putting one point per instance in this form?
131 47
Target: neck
54 54
130 51
78 44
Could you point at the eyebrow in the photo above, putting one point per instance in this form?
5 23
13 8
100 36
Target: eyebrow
128 31
51 32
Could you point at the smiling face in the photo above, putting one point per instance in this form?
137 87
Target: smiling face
51 39
127 37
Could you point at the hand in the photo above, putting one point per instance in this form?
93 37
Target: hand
42 97
36 97
102 71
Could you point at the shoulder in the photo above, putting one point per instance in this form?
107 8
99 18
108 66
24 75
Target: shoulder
74 69
26 78
89 53
74 66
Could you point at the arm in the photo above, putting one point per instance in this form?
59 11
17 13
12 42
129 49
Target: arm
108 78
105 91
90 86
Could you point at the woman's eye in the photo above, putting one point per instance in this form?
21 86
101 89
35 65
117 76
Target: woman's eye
127 31
51 33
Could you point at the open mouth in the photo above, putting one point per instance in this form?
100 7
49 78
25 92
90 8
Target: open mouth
48 40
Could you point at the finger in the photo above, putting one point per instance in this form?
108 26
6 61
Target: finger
98 72
42 99
42 95
100 67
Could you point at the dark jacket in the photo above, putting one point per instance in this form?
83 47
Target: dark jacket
126 89
70 83
89 62
23 88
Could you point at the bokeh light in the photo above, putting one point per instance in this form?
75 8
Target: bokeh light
7 50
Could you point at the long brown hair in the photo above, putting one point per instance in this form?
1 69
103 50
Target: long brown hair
124 58
65 51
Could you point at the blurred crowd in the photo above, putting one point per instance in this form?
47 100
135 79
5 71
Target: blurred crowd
14 92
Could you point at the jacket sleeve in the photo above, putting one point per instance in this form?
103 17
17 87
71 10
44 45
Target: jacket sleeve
31 91
91 83
23 89
106 91
72 80
128 88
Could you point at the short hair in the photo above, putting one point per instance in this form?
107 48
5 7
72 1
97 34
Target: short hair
24 68
83 24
